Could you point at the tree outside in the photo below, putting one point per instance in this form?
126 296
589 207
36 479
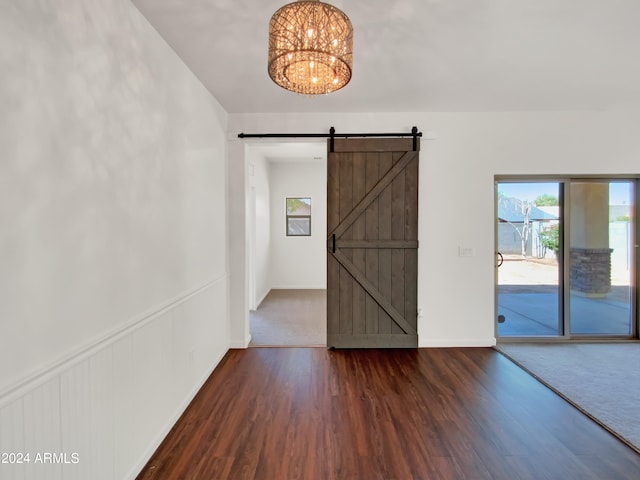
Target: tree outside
546 200
550 238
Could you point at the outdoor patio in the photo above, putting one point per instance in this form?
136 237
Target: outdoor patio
528 298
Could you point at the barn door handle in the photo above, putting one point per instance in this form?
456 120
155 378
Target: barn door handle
500 259
333 243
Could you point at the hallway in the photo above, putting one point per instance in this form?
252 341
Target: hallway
290 318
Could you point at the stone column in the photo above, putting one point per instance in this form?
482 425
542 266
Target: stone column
590 255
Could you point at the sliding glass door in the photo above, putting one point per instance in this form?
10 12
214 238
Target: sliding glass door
529 274
601 257
565 258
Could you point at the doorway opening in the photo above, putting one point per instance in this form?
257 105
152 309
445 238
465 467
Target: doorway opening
286 268
566 258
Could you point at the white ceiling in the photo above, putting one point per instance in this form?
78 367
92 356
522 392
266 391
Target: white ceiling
424 55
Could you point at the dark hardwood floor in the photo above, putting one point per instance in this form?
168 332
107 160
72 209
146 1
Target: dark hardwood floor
309 413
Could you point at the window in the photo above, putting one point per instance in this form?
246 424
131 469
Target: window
298 217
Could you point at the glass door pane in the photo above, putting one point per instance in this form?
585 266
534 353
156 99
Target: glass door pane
528 226
601 257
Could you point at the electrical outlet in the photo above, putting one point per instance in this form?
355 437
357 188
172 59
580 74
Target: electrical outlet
465 251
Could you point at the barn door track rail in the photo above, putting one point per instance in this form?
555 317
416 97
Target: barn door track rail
332 135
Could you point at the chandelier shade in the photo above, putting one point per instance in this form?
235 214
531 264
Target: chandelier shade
310 47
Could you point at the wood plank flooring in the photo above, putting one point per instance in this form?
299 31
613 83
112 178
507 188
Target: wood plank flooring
310 413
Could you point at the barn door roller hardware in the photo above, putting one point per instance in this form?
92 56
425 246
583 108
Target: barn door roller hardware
333 135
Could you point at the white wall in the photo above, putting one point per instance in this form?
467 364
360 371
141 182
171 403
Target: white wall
458 162
239 243
113 285
259 204
298 262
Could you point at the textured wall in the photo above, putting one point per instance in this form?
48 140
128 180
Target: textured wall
112 176
112 214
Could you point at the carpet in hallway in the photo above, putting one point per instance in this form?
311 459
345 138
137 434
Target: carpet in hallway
290 318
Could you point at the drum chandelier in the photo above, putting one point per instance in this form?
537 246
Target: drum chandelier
310 47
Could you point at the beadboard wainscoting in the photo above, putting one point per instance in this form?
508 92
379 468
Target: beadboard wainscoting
101 413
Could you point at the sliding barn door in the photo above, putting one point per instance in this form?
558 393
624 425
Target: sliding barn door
372 226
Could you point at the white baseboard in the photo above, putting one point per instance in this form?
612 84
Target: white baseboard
457 342
289 287
262 299
299 287
243 344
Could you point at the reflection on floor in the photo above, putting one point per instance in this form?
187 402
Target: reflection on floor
290 318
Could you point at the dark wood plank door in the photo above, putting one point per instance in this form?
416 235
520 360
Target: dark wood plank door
372 242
